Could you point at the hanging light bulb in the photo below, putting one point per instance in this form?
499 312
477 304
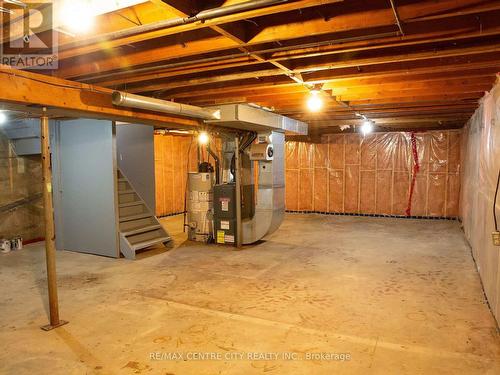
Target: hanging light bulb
77 16
203 138
314 103
367 127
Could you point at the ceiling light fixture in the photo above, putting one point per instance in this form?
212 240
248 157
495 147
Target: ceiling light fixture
77 16
367 127
315 102
203 138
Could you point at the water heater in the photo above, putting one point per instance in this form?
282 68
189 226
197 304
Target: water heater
200 206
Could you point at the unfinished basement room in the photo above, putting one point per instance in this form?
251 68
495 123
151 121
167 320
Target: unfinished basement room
235 187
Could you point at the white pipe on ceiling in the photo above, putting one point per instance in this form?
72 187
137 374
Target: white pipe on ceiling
158 105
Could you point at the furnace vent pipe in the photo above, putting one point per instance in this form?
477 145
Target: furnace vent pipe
125 99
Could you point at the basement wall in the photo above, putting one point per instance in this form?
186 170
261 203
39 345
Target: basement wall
345 173
352 174
174 157
481 164
21 206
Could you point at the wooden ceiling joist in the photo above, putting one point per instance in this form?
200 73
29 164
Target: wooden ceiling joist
31 92
408 64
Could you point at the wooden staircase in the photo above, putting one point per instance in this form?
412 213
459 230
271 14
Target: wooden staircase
139 228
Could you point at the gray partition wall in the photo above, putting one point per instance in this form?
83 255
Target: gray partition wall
84 187
136 159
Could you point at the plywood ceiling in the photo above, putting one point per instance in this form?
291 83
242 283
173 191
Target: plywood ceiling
406 65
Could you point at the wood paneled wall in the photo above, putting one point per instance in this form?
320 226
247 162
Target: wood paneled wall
173 158
349 173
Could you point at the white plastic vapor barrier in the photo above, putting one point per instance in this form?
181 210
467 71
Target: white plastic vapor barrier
481 164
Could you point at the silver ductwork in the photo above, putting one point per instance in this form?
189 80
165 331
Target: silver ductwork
125 99
269 152
270 204
246 117
265 214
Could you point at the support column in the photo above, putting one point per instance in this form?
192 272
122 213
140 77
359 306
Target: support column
50 248
237 169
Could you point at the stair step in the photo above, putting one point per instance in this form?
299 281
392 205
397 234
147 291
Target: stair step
141 230
128 191
138 231
130 204
148 243
135 217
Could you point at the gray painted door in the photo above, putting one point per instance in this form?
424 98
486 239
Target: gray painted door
84 187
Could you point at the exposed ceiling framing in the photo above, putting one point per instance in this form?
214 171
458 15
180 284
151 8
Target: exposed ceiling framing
405 64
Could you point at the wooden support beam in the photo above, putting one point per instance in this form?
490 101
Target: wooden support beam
275 58
355 16
404 80
394 93
237 39
205 80
443 65
91 65
126 78
67 51
396 58
327 67
345 22
50 247
395 120
30 92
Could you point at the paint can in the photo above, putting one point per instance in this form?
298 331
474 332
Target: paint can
16 243
5 246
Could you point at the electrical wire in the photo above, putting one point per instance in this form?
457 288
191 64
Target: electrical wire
495 202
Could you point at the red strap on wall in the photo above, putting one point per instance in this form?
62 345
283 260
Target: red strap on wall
416 168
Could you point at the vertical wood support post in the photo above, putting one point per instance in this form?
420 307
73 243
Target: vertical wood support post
50 248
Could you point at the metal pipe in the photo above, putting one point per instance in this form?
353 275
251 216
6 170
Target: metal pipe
50 248
202 16
396 15
237 175
217 163
16 2
157 105
198 153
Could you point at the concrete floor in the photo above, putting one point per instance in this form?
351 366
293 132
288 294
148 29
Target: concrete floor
392 296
